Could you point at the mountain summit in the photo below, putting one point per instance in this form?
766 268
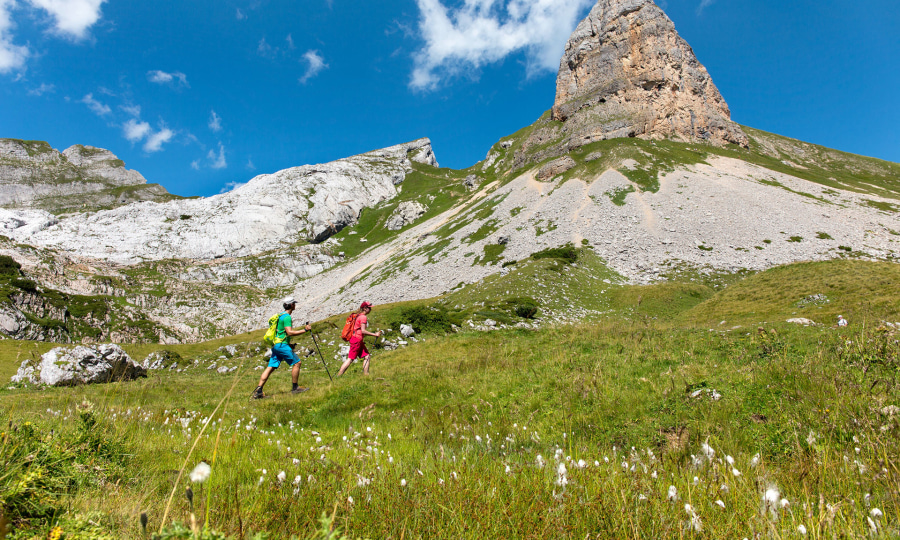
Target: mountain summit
627 73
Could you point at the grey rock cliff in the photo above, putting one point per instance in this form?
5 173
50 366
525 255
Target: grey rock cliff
626 72
34 175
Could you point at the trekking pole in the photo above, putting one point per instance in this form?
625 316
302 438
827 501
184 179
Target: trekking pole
322 357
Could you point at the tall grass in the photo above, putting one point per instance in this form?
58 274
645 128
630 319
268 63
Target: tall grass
445 439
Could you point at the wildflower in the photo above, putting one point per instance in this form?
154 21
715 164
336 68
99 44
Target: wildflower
296 461
477 438
605 459
876 513
350 499
261 480
735 472
368 429
403 482
872 525
540 461
720 503
642 497
696 524
440 481
696 481
508 470
673 494
390 459
754 461
802 530
784 503
654 475
200 473
723 488
596 463
707 450
297 480
561 479
581 464
729 460
771 499
318 440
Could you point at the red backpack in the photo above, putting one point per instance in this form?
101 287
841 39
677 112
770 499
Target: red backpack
347 332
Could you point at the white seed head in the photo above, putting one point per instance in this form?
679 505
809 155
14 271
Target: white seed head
673 494
876 513
201 472
754 461
720 503
802 530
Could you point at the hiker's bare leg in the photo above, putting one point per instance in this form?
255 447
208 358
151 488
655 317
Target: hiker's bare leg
295 373
265 376
344 367
366 364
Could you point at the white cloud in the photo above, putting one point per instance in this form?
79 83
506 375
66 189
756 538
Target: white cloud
100 109
42 89
135 130
215 122
156 140
217 161
240 15
231 186
196 163
250 166
481 32
131 110
161 77
703 5
315 64
290 42
264 49
72 18
12 56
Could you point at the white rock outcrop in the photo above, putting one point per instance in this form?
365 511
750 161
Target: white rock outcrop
407 212
80 365
308 203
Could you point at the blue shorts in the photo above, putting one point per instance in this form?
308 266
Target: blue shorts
282 352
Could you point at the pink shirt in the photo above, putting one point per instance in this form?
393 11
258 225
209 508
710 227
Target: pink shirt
357 327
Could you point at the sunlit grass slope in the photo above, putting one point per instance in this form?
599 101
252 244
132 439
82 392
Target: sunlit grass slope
641 425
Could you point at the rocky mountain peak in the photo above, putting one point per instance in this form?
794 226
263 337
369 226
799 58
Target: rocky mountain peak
35 175
626 72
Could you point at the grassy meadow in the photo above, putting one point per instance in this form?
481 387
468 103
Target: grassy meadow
681 410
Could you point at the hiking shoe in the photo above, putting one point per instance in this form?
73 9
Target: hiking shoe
257 394
299 390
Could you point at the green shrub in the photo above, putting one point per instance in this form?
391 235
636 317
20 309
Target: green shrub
567 253
524 307
25 284
9 266
423 319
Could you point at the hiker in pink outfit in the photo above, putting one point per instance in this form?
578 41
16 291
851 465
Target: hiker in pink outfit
357 345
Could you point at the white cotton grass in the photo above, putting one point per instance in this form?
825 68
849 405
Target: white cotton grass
561 475
708 450
200 473
876 513
802 530
672 494
754 461
720 503
696 524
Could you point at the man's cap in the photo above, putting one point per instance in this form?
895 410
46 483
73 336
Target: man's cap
288 300
364 305
840 316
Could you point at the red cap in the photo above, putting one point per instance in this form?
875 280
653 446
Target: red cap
364 305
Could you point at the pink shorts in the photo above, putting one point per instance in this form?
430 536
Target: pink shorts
357 349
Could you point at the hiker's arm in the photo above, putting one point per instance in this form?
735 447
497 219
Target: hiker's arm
291 332
365 332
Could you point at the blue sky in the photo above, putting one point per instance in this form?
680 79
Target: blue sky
201 95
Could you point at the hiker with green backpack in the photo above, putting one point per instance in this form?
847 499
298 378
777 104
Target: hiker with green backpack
281 329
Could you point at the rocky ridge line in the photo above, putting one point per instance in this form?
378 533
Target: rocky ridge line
34 175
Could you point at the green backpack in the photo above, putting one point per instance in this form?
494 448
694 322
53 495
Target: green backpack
269 338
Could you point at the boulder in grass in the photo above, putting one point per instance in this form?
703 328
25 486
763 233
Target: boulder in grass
802 321
80 365
161 359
